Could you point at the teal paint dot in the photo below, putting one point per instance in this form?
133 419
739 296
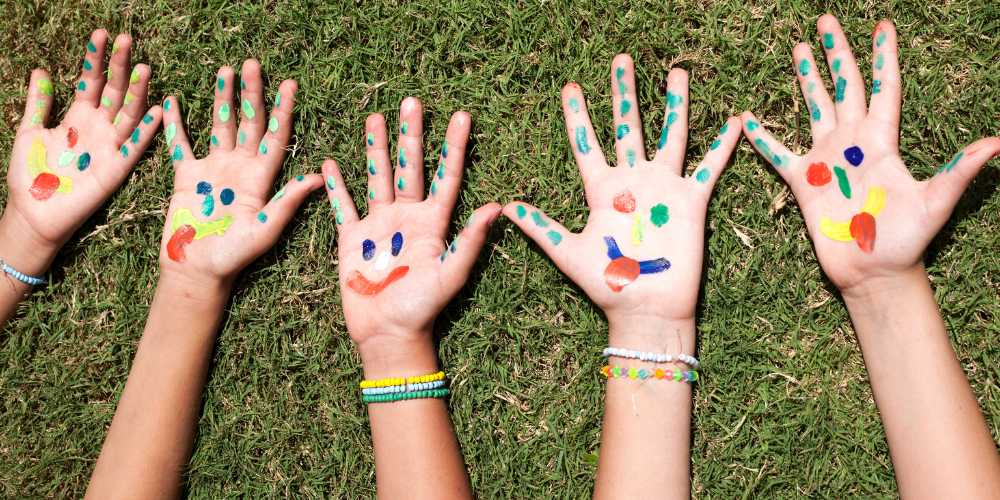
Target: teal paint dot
715 144
91 47
371 193
248 110
277 100
626 106
243 85
539 221
371 139
622 131
81 86
814 110
554 237
371 166
263 146
702 175
86 65
299 177
752 125
262 217
215 141
272 125
828 40
630 156
574 105
331 183
841 86
135 136
434 188
674 100
83 162
880 38
811 87
804 67
581 140
403 127
402 157
444 149
725 128
876 86
619 73
401 183
178 155
659 215
124 151
147 119
622 88
836 65
440 170
208 206
521 212
879 61
166 105
221 84
241 138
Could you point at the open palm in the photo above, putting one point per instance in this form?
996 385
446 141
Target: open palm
219 217
641 251
397 271
867 215
58 177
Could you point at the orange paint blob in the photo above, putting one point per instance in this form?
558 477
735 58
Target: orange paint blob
43 187
818 174
863 231
620 272
624 202
72 136
180 239
364 286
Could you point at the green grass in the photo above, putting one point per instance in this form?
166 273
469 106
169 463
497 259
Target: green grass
785 410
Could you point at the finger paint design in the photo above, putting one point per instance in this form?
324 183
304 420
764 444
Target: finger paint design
111 74
622 131
811 87
948 166
367 249
637 230
818 174
752 125
263 146
554 237
539 221
581 140
778 161
841 86
118 118
114 48
262 217
227 196
90 46
624 202
83 162
279 194
248 110
124 151
434 188
836 65
879 36
623 270
224 113
659 215
671 118
674 100
44 86
178 155
521 212
220 84
371 166
716 143
65 158
243 85
854 155
804 67
444 149
203 188
208 206
402 157
81 86
454 244
814 112
37 118
625 107
401 183
128 97
382 262
861 228
331 183
72 136
371 139
277 100
166 105
171 132
574 105
299 177
397 241
215 141
440 170
186 228
367 288
371 193
876 86
135 136
879 61
630 156
845 185
828 40
702 175
105 102
241 138
403 127
46 181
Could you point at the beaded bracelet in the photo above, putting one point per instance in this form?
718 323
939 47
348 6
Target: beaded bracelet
388 398
650 356
395 389
386 382
683 376
27 279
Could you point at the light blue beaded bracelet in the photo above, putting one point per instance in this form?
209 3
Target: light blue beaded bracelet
397 389
27 279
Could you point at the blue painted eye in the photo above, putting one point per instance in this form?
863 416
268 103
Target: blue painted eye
397 243
368 249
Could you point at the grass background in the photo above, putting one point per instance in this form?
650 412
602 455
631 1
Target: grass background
785 410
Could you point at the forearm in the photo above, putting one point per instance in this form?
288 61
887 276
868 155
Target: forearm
645 443
416 454
938 439
24 252
152 433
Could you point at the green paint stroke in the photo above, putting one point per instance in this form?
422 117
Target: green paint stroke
814 110
340 217
702 175
554 237
86 65
215 141
45 86
725 128
65 158
263 146
659 215
81 86
272 125
630 156
948 166
241 138
403 127
128 98
468 222
371 193
521 212
581 140
331 183
671 118
401 183
804 67
622 131
279 194
224 113
845 185
135 136
841 85
221 84
402 157
811 87
171 132
880 39
178 155
715 144
248 110
828 40
105 102
836 65
91 47
134 77
752 125
336 204
879 61
876 86
674 100
434 188
625 107
371 166
539 221
111 73
371 139
771 157
574 105
118 118
444 149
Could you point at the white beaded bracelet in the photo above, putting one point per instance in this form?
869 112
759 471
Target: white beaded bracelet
395 389
27 279
651 356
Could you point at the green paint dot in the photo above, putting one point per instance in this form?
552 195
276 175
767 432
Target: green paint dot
404 127
299 177
434 188
811 87
241 138
828 40
86 65
134 77
539 221
814 112
371 193
371 166
166 105
440 170
118 117
845 185
401 183
340 217
65 158
215 141
371 139
263 146
625 107
178 155
261 217
674 100
659 215
622 88
841 86
336 204
221 84
248 110
554 237
331 183
105 102
91 47
702 175
836 65
45 86
277 100
171 132
804 67
124 151
279 194
272 125
81 86
752 125
574 105
114 48
521 212
402 157
879 61
224 113
135 136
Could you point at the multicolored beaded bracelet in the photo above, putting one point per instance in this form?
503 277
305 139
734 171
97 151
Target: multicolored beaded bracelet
651 356
683 376
386 382
396 389
388 398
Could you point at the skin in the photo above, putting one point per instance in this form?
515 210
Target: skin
938 439
393 329
32 231
655 313
152 433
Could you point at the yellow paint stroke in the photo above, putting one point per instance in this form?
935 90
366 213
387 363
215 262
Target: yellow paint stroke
184 217
36 166
841 231
637 226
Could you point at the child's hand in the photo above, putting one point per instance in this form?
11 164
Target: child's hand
58 177
396 269
868 217
220 218
641 252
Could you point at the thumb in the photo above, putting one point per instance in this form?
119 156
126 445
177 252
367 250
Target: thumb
459 256
549 234
950 181
272 219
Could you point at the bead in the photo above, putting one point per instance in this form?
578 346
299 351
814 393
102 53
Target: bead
616 371
658 373
642 374
633 373
668 374
694 375
685 377
677 375
606 371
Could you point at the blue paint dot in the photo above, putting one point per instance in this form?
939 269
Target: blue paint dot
83 162
204 188
226 196
368 249
397 243
854 155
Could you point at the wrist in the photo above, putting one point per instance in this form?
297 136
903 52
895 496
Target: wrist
393 357
202 289
21 248
652 333
876 290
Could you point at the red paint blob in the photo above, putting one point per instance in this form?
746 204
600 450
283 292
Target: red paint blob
364 286
72 136
621 272
818 174
180 239
43 187
624 202
863 231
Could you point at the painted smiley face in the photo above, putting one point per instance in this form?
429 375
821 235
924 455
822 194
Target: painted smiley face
366 287
861 227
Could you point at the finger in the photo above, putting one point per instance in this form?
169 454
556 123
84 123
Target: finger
178 148
714 163
447 178
224 117
461 254
822 113
380 176
252 117
589 157
549 234
849 88
673 136
344 211
36 108
628 127
279 128
116 89
134 104
91 82
783 160
272 219
887 85
950 181
410 160
137 142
